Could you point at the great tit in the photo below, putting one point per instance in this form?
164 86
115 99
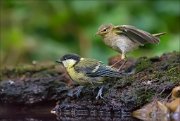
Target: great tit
86 71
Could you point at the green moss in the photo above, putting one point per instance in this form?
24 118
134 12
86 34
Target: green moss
172 70
144 95
24 70
124 81
173 74
31 68
143 64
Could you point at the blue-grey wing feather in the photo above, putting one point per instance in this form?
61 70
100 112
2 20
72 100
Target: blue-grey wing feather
94 68
105 71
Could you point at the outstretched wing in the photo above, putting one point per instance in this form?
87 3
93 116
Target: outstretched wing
94 68
136 35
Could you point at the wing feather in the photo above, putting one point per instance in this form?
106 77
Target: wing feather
105 71
135 34
94 68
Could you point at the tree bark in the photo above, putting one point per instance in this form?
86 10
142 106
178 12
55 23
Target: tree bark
45 84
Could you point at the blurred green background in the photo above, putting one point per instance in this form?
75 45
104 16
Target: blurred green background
45 30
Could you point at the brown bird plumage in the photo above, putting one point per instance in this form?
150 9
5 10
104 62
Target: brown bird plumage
125 38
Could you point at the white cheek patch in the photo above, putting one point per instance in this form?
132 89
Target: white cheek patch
64 63
68 63
82 59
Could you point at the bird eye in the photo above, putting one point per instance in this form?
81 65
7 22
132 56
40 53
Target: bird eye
104 30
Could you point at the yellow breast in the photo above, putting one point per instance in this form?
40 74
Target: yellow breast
77 77
82 79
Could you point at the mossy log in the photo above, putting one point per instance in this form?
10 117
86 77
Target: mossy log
46 84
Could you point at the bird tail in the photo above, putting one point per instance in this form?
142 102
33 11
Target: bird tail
115 74
159 34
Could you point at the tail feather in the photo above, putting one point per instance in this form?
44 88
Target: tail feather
159 34
114 74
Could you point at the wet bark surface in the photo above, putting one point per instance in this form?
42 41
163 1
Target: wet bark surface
40 85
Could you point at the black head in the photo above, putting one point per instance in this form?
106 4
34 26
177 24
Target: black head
68 57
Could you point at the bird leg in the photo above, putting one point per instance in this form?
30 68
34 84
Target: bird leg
76 91
100 92
123 56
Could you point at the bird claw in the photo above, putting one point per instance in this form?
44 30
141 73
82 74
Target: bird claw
76 91
122 65
100 92
113 65
124 62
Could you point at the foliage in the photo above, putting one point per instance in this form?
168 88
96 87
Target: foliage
45 30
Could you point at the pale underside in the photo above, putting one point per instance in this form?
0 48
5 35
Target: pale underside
122 43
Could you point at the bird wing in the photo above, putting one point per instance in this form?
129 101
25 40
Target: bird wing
137 35
105 71
94 68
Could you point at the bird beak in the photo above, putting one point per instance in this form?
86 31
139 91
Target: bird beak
97 33
58 61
